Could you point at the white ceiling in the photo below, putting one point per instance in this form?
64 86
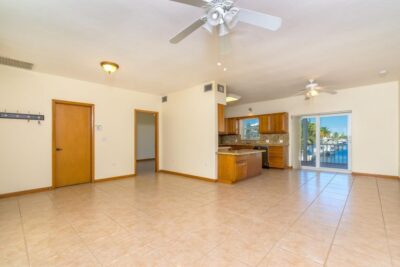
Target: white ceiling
341 43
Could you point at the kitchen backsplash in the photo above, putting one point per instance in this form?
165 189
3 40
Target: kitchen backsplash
265 139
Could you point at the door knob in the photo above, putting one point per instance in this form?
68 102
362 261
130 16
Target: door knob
58 149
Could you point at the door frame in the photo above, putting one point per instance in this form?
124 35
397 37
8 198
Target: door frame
318 142
53 149
156 141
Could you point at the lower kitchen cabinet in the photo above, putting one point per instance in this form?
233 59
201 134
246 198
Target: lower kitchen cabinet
278 157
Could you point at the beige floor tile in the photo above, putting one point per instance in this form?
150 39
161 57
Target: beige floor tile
217 259
282 258
321 232
305 246
343 257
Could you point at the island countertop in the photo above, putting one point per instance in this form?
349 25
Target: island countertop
240 152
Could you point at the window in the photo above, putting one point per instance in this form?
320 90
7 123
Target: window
249 129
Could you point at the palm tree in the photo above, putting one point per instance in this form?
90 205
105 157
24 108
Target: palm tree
325 132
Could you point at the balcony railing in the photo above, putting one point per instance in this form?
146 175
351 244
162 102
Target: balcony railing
331 156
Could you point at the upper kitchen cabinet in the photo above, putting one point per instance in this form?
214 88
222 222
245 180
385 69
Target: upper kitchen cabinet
221 119
266 125
281 122
231 126
277 123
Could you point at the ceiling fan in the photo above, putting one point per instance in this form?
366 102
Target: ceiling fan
313 89
222 16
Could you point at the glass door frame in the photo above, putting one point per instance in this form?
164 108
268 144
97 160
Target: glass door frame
318 142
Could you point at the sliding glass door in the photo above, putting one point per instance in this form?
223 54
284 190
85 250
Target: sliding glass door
325 142
309 142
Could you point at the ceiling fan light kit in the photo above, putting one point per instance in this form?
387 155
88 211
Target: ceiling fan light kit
313 89
223 16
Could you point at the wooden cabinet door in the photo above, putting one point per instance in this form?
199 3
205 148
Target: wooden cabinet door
232 126
277 156
266 124
280 123
221 118
241 169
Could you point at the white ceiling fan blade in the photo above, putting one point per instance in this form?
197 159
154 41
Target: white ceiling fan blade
198 3
186 32
260 19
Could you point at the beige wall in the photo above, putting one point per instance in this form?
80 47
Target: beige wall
375 121
25 154
190 135
145 135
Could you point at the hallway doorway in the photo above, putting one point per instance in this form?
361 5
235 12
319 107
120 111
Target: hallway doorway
146 142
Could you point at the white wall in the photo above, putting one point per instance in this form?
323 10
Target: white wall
25 148
146 136
190 134
375 121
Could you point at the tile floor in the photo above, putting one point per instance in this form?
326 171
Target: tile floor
282 218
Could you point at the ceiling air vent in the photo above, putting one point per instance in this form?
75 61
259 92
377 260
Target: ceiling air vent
164 99
208 87
15 63
221 88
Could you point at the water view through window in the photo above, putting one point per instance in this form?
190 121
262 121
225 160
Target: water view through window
325 141
249 129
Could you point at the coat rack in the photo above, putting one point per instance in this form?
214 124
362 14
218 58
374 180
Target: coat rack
22 116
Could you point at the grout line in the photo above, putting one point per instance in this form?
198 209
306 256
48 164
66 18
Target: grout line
83 241
72 227
23 233
340 220
384 224
305 210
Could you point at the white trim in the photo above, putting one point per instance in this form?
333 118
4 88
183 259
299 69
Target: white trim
318 142
321 114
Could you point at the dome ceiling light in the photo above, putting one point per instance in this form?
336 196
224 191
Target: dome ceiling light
109 67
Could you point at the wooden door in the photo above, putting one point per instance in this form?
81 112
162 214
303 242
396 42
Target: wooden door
72 143
221 118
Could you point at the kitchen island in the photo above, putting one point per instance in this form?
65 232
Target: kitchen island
236 165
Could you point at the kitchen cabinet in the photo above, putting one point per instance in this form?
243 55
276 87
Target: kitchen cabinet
231 126
221 119
265 124
238 165
277 123
280 123
278 156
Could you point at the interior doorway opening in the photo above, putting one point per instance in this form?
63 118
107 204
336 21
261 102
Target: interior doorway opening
146 142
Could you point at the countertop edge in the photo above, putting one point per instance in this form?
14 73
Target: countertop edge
240 153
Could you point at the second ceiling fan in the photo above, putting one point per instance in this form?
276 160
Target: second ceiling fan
222 16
